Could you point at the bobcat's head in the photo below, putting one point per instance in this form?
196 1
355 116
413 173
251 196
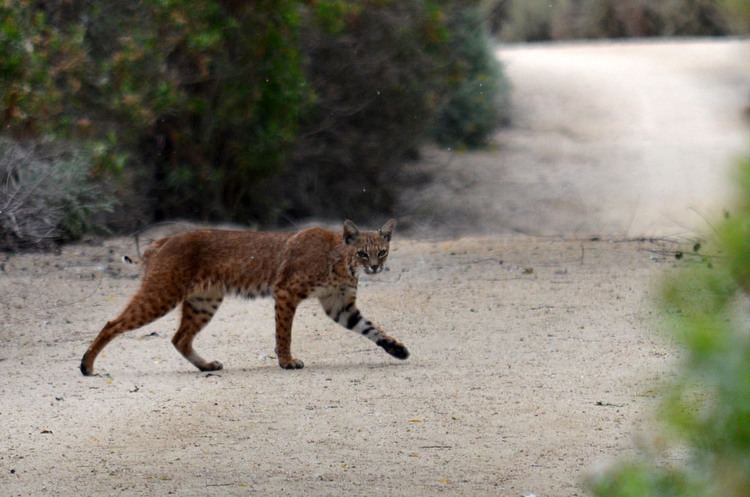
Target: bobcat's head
370 247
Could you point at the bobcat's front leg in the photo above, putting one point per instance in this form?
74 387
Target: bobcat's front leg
342 308
286 305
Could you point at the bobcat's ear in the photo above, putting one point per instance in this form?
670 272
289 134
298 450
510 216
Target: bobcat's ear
351 232
387 229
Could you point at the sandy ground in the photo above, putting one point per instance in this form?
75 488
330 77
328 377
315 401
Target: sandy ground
534 359
531 362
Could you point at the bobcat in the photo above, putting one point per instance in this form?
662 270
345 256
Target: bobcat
198 268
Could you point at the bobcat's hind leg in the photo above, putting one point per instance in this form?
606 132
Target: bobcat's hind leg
143 309
197 311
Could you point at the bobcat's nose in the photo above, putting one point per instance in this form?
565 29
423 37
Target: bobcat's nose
375 268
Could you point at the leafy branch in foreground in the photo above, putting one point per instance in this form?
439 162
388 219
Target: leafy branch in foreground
705 412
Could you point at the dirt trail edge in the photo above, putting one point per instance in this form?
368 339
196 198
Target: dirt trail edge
532 362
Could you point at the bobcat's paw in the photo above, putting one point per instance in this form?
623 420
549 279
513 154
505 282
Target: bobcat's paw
394 348
212 366
291 363
85 369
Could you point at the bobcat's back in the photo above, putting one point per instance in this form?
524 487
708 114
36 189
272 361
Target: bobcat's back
231 261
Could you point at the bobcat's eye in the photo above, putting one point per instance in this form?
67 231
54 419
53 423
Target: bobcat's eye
362 254
382 253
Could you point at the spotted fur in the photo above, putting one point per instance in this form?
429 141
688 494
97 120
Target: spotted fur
198 268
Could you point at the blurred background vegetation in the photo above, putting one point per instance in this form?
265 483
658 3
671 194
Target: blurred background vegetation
260 112
541 20
220 110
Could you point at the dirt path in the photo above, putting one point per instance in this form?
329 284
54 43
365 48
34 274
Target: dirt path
623 139
530 360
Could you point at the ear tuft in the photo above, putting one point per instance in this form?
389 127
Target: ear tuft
351 232
387 229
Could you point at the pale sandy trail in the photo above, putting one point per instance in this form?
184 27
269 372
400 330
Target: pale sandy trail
612 139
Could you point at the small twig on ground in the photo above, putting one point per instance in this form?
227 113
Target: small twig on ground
488 259
679 253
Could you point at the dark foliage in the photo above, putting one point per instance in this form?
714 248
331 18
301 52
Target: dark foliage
539 20
244 111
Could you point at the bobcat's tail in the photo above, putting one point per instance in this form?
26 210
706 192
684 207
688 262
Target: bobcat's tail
147 254
152 249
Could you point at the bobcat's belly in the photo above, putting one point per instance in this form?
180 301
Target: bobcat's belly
322 291
248 290
253 291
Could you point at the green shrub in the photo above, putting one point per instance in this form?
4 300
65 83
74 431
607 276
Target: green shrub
526 20
693 18
204 94
377 81
639 18
40 68
380 80
738 14
479 103
706 409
